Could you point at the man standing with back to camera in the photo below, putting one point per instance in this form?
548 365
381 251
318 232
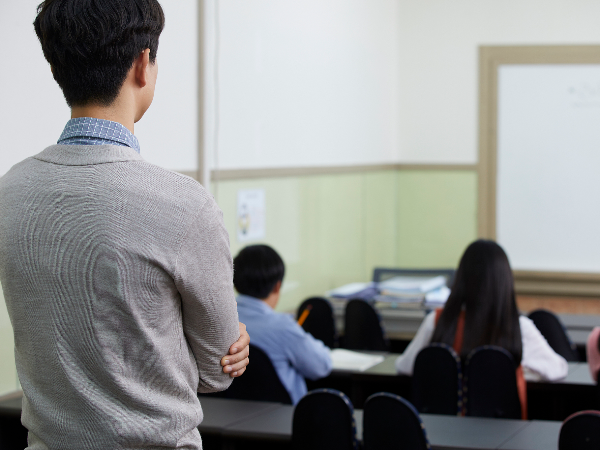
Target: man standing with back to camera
117 274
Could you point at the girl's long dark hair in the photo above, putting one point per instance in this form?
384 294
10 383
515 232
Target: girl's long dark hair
484 288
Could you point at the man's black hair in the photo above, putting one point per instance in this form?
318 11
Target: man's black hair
256 271
91 44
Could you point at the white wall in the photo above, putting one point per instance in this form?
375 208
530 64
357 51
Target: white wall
168 133
34 112
308 83
438 63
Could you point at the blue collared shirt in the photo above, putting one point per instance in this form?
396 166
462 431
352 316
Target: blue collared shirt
295 354
90 131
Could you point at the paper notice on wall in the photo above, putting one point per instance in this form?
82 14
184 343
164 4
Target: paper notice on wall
251 215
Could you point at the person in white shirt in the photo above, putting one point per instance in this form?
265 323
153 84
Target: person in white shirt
482 303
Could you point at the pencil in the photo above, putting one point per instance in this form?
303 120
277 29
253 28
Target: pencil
304 315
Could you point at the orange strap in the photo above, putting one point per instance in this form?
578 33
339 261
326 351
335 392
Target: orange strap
458 341
460 329
522 389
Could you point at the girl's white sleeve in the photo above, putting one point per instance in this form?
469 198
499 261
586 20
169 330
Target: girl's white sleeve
538 356
406 361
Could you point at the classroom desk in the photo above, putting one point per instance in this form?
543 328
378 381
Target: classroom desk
539 435
548 400
578 374
10 405
220 413
239 420
274 425
443 432
580 321
402 323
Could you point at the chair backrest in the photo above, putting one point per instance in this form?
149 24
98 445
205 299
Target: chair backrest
554 332
390 422
13 435
383 273
320 321
260 381
324 420
362 327
491 384
437 381
580 431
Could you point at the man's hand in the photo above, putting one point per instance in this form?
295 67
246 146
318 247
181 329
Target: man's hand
236 361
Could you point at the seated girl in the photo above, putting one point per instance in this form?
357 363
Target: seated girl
482 306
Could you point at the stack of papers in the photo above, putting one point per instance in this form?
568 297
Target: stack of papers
411 286
411 291
437 298
353 361
366 291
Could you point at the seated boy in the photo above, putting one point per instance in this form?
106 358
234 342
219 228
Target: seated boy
295 354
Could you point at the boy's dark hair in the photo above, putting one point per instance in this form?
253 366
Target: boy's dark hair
91 44
256 271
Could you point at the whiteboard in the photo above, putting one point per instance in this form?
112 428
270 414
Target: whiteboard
548 166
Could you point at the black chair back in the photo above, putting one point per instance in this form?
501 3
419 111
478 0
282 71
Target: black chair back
554 332
324 420
260 381
320 321
390 422
362 327
491 384
580 431
13 435
437 381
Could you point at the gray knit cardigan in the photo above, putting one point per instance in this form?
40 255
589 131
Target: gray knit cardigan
117 277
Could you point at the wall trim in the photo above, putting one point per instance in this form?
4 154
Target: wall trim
490 58
282 172
557 283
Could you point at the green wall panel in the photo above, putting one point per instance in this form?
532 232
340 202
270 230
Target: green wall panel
320 226
437 217
334 229
381 220
8 371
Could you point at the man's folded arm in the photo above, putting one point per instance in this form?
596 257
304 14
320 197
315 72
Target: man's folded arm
204 279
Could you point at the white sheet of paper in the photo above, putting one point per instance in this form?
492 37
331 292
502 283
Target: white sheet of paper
349 360
349 289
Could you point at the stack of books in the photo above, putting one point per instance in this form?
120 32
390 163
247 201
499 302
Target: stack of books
365 291
409 290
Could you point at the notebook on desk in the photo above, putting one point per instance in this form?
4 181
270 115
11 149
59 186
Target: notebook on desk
348 360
